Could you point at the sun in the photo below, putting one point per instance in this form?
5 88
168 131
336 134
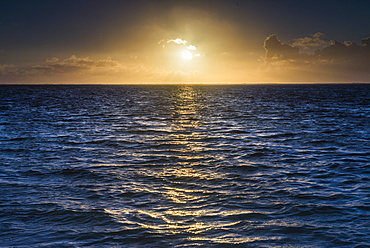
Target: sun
187 55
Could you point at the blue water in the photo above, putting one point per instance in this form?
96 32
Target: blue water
185 166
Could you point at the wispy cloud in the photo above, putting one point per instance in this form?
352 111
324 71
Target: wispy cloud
86 70
191 47
52 60
308 42
7 70
76 65
178 41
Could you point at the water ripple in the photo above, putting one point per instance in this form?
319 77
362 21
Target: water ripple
185 166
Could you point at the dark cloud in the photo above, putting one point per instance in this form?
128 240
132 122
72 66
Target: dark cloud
276 50
347 55
336 61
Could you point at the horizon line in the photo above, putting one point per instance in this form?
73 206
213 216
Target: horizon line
190 83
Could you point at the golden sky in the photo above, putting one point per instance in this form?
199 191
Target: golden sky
184 41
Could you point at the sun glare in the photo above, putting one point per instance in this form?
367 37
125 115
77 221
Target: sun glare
187 55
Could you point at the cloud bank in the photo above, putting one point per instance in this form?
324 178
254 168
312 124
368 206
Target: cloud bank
86 70
331 61
76 64
306 59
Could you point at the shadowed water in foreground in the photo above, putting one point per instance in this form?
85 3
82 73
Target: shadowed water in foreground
185 166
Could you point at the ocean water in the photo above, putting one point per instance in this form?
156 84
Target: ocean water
185 166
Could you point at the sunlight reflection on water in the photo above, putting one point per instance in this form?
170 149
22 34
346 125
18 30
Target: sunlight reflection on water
176 166
186 136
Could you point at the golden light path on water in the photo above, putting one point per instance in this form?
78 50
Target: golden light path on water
189 209
185 166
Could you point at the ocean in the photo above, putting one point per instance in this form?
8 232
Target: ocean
185 165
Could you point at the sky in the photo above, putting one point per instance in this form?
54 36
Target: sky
170 41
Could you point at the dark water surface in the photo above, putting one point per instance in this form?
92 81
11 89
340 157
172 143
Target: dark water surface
185 166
